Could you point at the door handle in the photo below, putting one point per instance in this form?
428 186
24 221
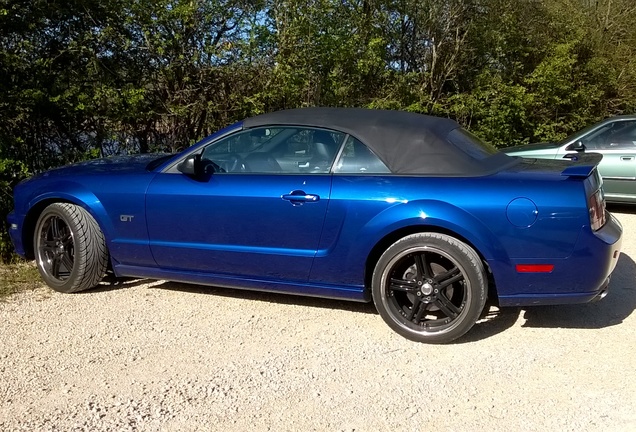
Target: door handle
571 156
299 197
627 158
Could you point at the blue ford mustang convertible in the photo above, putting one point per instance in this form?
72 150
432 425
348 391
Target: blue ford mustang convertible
410 211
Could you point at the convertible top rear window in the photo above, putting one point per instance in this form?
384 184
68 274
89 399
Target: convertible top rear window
471 144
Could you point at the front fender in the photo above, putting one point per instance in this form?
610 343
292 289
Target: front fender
116 202
68 191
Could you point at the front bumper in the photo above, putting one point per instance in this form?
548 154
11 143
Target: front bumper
15 232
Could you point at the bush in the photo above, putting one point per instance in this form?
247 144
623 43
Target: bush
11 172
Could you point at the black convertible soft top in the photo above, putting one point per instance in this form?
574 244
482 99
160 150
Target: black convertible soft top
407 143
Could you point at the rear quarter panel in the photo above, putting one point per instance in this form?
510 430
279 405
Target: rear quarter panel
363 210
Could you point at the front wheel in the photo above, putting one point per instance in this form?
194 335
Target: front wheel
70 250
429 287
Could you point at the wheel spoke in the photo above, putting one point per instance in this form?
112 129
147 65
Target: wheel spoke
423 267
446 306
67 261
403 285
55 228
417 304
55 266
67 239
48 246
420 313
450 277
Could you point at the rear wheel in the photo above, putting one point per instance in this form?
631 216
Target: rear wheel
70 249
429 287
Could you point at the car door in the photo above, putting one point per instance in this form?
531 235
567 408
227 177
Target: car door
249 218
618 169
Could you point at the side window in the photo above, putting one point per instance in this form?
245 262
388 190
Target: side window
243 142
356 158
617 135
286 150
623 136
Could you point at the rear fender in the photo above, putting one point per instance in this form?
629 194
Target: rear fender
431 215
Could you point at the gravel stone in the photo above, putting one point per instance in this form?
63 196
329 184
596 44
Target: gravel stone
155 355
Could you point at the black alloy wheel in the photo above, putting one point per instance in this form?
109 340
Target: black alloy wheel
430 287
70 249
56 248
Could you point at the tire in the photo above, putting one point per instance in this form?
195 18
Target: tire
70 250
429 287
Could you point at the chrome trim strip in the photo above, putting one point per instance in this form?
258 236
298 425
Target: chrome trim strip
618 178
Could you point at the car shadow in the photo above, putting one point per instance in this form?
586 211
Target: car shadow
621 208
111 283
270 297
612 310
619 304
493 320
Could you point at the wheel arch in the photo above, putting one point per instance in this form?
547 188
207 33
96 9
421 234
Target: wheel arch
466 229
78 197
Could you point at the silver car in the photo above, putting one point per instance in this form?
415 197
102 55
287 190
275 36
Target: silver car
614 138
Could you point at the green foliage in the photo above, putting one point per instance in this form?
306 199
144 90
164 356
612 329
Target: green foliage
567 93
11 172
89 79
498 111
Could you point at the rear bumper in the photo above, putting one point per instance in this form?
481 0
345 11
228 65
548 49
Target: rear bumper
603 292
555 298
580 278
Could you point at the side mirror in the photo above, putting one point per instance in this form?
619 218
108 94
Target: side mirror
577 146
188 166
200 169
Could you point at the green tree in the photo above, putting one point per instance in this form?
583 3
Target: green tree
83 79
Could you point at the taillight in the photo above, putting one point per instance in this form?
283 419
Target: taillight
596 206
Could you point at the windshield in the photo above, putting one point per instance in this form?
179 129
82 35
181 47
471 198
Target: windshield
577 134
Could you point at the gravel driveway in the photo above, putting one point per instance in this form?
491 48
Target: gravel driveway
175 357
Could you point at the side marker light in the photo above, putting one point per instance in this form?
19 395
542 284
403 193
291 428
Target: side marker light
535 268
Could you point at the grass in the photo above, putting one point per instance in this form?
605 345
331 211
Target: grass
18 277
